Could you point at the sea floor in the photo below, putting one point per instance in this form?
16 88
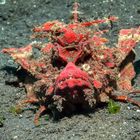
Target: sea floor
17 18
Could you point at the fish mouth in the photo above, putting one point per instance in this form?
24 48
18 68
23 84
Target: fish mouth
72 77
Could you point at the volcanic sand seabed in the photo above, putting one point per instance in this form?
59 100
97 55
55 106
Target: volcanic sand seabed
17 17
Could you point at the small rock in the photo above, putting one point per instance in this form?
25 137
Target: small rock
15 137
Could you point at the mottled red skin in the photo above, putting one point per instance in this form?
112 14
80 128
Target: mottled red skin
76 66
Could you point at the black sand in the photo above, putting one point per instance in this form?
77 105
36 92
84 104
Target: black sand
17 18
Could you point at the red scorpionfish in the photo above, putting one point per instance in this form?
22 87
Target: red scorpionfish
77 66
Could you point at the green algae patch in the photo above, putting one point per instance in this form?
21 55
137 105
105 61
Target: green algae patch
113 107
2 119
15 110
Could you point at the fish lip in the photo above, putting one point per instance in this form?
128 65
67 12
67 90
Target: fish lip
71 77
